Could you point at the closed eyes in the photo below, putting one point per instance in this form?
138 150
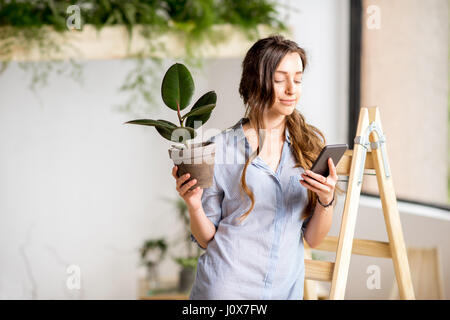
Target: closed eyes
283 80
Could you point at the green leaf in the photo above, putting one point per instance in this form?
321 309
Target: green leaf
166 133
166 129
177 87
183 134
208 98
150 122
106 5
189 133
168 123
190 262
130 13
118 15
199 111
110 20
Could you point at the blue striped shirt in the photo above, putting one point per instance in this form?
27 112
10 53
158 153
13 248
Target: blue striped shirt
263 257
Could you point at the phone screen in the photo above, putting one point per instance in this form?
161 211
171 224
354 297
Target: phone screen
333 151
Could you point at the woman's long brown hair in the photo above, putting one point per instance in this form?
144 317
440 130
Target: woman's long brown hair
256 90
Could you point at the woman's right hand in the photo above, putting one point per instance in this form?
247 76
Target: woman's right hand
192 198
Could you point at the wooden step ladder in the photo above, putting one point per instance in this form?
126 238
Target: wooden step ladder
369 134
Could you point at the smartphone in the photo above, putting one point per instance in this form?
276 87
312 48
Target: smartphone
333 151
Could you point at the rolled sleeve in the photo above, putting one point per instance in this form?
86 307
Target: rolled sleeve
195 241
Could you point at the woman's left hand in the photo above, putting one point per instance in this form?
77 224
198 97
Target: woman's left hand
323 187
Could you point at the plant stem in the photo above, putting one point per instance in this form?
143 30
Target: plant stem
179 114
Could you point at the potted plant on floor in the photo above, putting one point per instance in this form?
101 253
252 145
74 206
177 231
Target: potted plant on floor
152 252
196 159
188 261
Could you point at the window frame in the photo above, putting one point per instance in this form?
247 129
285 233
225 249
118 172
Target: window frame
355 54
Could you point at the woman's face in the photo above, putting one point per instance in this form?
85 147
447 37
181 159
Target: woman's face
287 84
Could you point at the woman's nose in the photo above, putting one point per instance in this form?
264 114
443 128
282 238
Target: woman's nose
290 87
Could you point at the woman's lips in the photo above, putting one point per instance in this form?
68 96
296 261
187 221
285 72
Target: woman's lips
287 102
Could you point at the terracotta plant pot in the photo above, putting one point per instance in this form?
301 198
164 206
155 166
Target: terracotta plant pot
197 160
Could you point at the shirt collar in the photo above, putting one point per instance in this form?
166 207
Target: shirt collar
239 130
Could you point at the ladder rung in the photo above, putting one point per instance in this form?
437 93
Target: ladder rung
318 270
371 248
344 165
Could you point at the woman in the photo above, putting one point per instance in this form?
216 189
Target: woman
254 242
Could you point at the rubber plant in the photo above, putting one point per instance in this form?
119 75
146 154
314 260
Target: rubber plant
197 159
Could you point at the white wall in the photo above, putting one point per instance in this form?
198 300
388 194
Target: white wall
78 187
322 29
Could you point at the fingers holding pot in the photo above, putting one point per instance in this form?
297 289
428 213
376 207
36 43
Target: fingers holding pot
182 180
174 172
184 189
181 185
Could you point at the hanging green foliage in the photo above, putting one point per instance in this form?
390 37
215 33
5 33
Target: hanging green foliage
27 23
